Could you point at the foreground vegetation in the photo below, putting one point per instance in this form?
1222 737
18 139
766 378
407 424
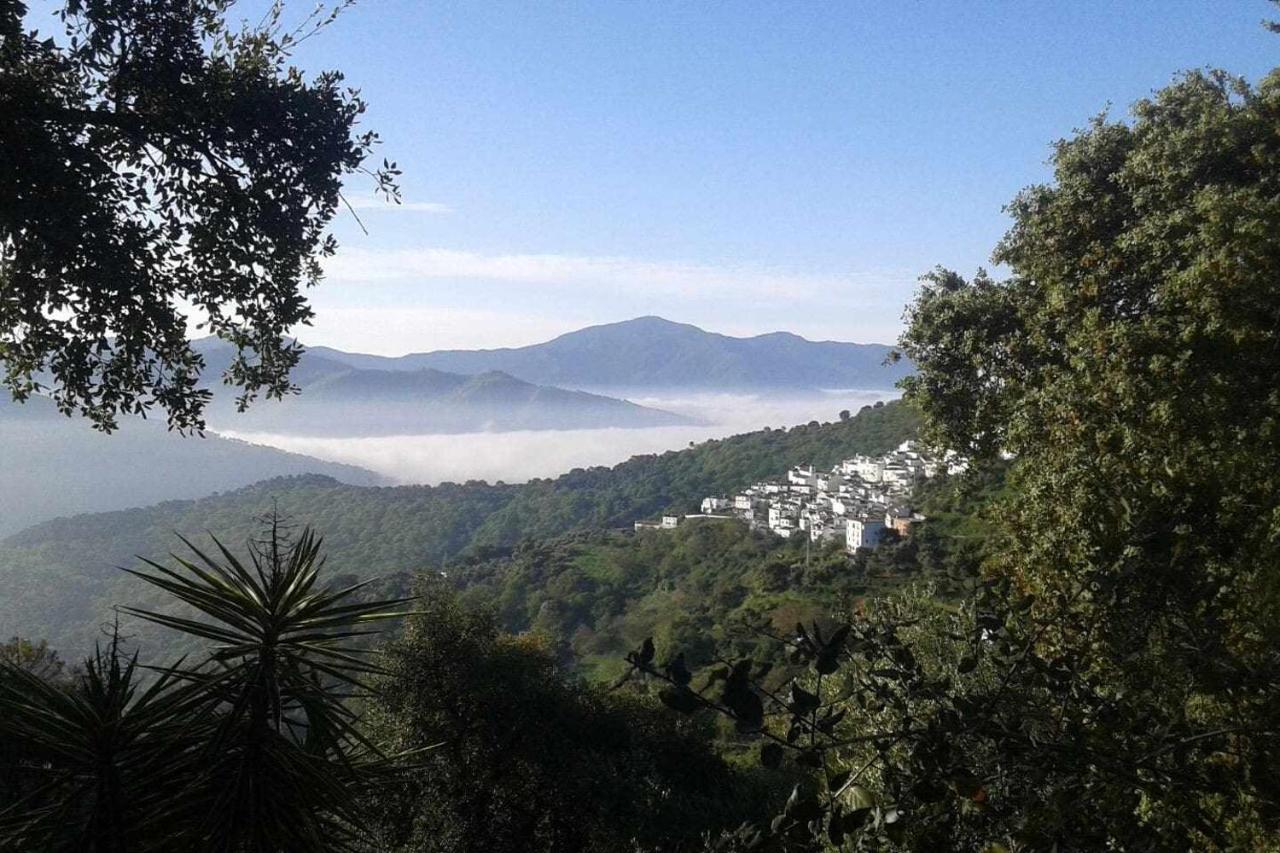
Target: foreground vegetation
251 747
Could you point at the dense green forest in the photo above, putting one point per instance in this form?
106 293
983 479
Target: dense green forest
534 760
63 575
716 588
596 596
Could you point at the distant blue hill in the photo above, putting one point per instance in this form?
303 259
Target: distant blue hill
653 353
343 395
52 465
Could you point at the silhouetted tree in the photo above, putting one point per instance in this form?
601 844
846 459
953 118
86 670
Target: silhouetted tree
157 161
253 749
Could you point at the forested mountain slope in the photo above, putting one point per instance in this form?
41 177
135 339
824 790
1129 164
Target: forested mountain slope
61 579
715 587
596 595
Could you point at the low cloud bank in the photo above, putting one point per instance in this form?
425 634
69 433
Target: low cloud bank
515 457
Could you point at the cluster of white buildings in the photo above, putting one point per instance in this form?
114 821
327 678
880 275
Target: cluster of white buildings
857 501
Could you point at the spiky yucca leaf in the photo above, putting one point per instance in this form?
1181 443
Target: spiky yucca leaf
255 749
285 753
105 758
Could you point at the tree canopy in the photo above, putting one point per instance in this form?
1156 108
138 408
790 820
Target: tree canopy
521 758
163 167
1129 364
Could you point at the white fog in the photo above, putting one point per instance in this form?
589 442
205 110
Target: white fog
518 456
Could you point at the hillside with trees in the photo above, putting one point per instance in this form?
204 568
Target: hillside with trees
63 574
715 588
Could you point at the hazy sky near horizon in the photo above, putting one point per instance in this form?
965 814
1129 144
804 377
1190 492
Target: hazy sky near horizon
742 166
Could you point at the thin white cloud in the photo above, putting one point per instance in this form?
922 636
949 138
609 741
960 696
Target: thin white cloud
371 203
396 330
687 280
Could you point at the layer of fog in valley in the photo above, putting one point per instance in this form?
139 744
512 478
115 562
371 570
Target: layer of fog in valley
519 456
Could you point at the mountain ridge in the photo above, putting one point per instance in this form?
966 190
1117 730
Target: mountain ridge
653 352
342 399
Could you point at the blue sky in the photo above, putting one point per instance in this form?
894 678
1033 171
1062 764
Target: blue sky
743 166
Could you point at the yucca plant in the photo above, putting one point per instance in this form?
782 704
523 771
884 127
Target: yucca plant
285 757
255 749
94 763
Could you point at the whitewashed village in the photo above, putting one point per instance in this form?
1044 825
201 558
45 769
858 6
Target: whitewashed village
858 501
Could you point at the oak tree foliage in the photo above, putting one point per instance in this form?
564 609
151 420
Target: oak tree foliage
161 164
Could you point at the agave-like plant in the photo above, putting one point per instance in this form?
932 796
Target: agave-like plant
285 757
93 763
255 749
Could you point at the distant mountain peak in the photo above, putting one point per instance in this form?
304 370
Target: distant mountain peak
652 352
783 336
498 377
648 324
652 320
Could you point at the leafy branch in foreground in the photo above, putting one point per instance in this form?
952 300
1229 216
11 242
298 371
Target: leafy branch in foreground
935 729
157 155
255 748
1128 364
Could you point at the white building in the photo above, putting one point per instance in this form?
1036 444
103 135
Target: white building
802 475
821 527
851 500
896 474
714 505
863 533
783 515
865 468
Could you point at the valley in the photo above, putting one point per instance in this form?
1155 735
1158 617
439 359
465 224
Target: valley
647 427
52 465
64 575
368 420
